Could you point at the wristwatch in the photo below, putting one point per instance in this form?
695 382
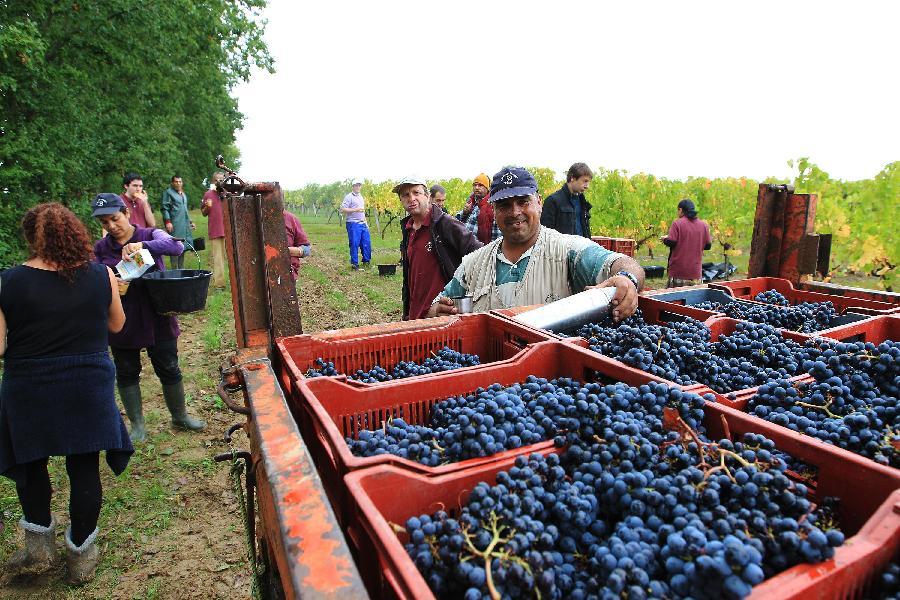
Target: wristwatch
631 278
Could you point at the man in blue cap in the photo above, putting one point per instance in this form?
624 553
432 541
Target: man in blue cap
532 264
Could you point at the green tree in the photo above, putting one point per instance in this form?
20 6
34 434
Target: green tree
89 90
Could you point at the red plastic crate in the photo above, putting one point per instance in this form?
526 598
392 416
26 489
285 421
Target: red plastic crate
875 330
869 513
624 246
329 410
491 338
747 289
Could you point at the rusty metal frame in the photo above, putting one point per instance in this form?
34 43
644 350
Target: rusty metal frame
263 293
784 243
301 532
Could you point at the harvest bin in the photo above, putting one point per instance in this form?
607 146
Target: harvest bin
869 511
330 410
386 344
747 289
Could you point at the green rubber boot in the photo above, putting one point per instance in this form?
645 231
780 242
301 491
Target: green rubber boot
131 400
174 395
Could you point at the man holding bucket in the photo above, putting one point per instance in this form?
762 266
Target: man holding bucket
144 328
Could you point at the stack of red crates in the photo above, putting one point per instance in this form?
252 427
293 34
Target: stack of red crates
371 493
624 246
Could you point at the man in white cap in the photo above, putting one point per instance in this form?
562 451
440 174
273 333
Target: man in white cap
432 247
354 210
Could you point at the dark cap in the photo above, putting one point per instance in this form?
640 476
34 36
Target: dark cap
106 204
511 182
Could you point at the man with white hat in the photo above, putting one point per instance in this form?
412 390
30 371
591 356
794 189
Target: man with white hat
432 247
354 210
533 264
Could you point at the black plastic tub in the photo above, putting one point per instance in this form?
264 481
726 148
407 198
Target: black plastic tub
178 291
386 270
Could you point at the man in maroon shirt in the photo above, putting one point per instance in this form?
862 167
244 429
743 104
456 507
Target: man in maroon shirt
688 237
135 198
297 242
432 247
211 207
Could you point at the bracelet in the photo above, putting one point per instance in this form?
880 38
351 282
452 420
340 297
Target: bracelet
631 278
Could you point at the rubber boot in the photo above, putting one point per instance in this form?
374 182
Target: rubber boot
82 560
131 399
39 553
174 395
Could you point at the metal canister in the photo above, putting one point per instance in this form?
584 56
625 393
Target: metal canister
568 314
463 304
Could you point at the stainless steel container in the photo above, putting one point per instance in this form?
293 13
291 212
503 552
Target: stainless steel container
568 314
463 304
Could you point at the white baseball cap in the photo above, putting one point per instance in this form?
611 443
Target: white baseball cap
411 180
357 181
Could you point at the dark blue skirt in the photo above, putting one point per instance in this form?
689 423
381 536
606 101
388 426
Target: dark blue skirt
58 406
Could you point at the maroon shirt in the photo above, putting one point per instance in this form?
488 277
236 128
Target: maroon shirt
425 280
295 237
686 258
136 207
216 215
485 220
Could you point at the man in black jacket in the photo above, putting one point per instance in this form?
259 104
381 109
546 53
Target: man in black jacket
432 247
567 210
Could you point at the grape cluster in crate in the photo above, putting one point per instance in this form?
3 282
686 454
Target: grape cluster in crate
445 359
640 503
776 310
852 402
683 353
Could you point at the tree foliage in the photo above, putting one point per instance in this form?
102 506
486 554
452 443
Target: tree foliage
91 89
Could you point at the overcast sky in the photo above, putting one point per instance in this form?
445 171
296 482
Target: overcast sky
382 89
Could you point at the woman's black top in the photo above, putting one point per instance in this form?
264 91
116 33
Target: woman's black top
46 315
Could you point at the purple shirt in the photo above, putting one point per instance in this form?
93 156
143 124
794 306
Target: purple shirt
216 215
143 327
352 200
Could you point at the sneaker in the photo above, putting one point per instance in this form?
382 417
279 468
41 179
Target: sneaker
355 267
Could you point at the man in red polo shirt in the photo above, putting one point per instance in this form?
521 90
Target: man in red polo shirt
135 198
432 247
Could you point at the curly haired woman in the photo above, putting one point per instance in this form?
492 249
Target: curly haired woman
57 397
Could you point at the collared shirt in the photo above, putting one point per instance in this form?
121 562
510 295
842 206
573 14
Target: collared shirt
353 200
472 225
424 278
137 210
587 264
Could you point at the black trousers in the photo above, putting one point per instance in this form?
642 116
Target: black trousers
163 357
85 493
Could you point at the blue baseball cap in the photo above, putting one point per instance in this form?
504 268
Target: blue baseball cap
510 182
106 204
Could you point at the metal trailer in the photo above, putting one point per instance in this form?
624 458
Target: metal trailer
297 547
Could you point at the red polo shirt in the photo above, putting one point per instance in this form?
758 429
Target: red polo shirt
137 210
425 280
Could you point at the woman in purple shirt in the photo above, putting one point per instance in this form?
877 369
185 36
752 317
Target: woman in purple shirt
143 327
